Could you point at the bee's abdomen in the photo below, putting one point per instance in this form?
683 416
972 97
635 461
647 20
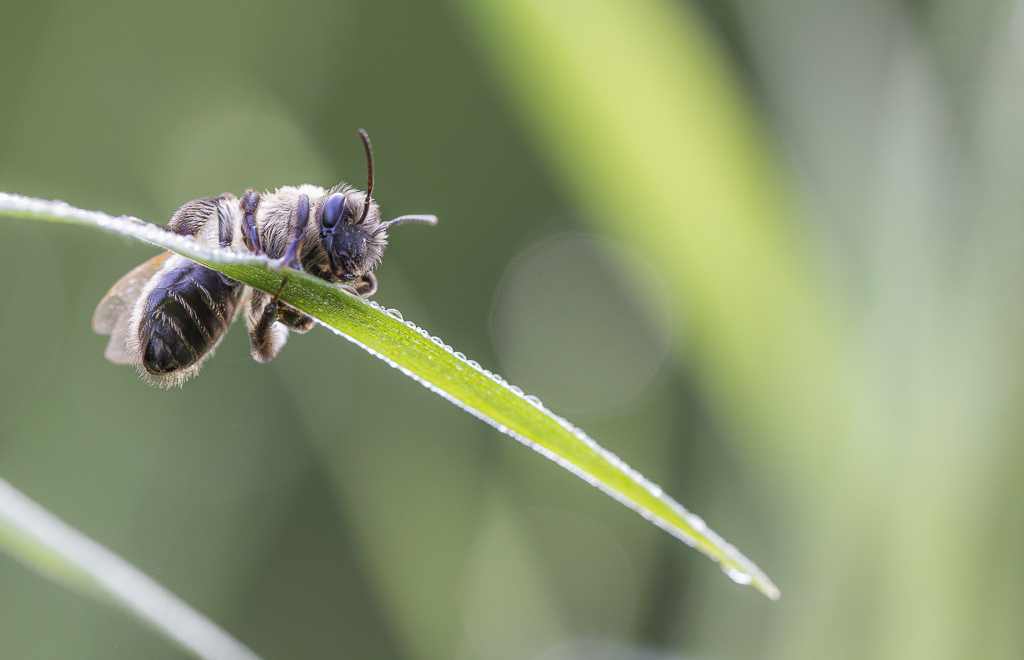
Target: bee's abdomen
184 317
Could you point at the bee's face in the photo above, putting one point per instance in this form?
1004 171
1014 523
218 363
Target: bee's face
350 245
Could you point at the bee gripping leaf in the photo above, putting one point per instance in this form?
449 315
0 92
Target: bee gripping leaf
429 361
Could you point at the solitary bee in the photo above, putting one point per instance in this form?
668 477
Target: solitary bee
167 315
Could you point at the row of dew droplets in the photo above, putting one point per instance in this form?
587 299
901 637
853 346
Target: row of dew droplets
728 557
131 226
735 565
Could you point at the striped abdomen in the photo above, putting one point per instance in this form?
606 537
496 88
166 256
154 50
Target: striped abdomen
184 317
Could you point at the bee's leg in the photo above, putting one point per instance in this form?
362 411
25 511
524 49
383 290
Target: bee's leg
266 337
297 320
366 285
250 233
298 226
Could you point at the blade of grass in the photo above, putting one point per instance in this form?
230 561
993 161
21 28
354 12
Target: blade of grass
437 366
45 543
641 116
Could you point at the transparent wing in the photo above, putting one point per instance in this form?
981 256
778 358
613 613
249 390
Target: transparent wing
117 348
113 314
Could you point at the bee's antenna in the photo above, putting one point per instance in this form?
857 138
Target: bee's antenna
369 174
402 219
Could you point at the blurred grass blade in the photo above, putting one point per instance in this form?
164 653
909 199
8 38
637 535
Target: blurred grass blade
636 106
432 363
43 542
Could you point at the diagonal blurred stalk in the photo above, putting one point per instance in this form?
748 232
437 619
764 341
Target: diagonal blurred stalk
642 117
48 545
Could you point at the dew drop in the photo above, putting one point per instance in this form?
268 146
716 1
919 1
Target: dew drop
460 355
736 575
395 314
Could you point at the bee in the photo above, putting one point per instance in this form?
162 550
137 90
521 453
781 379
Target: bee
167 316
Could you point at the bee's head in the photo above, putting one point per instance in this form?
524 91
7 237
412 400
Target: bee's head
348 234
351 233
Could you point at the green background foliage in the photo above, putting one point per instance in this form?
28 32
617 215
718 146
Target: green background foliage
811 213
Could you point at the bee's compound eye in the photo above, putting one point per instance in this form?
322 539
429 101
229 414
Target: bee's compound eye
333 210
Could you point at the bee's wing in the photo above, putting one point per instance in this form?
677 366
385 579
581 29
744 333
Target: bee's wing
113 314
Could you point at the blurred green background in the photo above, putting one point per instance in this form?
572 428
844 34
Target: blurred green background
769 252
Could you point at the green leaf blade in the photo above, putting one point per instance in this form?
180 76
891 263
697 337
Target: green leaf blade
438 367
